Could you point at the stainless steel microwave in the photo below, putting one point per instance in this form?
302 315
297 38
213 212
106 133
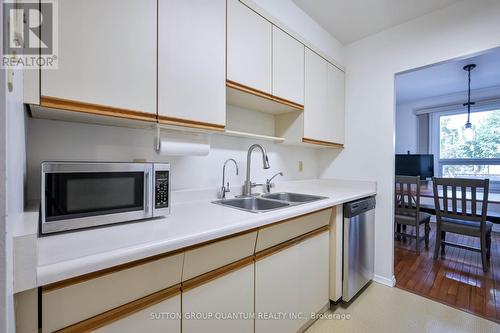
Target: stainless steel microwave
76 195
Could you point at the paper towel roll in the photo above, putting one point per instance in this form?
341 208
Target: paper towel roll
184 146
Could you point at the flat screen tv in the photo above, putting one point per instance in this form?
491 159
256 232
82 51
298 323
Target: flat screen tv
415 165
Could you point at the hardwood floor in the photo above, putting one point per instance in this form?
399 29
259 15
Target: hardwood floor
456 279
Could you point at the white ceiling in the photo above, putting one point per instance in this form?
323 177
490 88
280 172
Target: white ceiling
449 78
351 20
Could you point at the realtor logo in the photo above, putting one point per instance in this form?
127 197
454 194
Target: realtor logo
29 34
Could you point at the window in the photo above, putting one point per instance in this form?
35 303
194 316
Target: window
476 158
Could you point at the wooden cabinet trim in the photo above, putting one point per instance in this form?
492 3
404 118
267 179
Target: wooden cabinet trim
93 275
103 110
322 143
123 311
256 92
216 273
190 123
98 109
293 218
198 245
282 246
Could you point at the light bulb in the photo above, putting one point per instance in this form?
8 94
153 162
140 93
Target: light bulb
468 132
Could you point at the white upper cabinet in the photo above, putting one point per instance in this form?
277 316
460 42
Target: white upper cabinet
249 47
107 54
336 103
324 100
288 67
316 80
192 60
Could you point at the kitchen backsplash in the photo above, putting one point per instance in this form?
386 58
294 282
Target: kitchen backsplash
64 141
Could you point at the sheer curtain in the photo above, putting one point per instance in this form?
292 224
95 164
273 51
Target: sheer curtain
423 133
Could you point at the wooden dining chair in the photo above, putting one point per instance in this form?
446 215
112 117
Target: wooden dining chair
407 210
462 216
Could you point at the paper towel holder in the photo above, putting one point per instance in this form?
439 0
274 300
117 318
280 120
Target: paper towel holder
176 136
157 138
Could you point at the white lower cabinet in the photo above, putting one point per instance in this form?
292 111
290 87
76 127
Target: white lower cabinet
239 284
291 284
79 304
223 305
159 318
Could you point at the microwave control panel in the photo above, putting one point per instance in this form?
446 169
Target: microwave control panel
161 189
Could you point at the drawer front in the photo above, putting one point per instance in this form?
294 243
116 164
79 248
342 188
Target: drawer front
281 232
67 305
159 318
214 255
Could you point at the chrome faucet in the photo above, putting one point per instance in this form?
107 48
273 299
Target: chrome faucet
269 183
247 187
225 187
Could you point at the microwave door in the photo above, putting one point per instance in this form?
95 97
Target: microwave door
74 199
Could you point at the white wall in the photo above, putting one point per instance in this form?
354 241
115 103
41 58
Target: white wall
3 197
16 176
406 129
15 171
462 29
12 177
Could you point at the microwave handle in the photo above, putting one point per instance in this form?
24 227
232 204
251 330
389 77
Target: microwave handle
148 189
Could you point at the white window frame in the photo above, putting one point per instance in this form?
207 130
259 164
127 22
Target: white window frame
435 139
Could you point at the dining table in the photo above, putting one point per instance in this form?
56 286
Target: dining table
427 192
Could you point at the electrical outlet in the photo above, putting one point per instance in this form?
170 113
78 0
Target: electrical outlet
301 166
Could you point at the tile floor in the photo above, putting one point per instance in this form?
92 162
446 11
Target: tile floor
386 310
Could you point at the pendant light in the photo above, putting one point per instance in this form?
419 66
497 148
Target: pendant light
468 131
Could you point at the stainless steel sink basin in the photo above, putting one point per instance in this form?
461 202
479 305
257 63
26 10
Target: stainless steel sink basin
268 202
253 204
292 197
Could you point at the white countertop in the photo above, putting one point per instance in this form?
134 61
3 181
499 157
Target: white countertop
193 219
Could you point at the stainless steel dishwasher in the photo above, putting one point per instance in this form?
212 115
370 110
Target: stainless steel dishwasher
358 244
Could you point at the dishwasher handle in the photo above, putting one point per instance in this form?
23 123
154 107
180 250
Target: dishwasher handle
355 208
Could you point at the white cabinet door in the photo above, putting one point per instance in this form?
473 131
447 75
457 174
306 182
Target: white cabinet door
159 318
324 100
314 273
294 282
336 103
249 47
288 67
192 60
107 54
213 301
316 122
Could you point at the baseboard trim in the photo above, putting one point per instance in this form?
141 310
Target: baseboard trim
391 282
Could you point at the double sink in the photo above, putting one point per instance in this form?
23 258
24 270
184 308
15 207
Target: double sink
268 202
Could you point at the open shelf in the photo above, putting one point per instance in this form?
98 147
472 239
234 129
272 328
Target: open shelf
239 134
252 99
